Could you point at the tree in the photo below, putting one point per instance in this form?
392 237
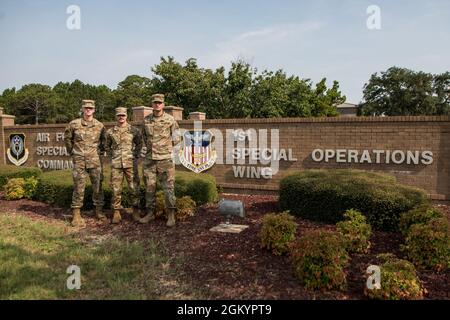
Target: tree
400 91
70 95
133 91
324 101
69 99
441 85
183 84
104 103
7 100
238 90
241 92
34 103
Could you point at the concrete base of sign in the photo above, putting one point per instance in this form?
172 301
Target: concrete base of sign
229 228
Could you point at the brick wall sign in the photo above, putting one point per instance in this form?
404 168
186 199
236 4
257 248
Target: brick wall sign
253 155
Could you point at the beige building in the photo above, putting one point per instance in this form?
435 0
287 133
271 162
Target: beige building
348 109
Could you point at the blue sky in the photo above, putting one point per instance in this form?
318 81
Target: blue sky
311 39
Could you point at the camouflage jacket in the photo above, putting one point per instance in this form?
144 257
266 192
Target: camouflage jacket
160 135
84 142
123 145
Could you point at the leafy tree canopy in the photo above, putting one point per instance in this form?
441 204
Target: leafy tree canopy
400 91
239 92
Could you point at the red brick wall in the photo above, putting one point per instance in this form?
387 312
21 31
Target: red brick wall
303 135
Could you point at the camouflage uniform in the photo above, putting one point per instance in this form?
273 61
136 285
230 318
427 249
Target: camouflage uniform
123 145
159 138
84 142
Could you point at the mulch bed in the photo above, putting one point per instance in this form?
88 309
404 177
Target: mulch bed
233 266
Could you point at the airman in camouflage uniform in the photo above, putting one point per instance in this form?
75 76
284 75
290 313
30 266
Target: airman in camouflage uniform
123 145
85 140
160 134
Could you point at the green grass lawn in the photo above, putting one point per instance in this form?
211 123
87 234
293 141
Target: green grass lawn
35 255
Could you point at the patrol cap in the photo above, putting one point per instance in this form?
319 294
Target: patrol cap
159 97
88 104
121 111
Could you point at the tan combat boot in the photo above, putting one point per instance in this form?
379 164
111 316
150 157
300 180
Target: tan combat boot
150 216
100 216
116 217
77 220
136 214
171 218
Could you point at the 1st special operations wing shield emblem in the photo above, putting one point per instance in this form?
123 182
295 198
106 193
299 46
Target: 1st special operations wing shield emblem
17 153
197 152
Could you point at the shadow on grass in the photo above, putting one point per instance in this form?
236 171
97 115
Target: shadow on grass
35 258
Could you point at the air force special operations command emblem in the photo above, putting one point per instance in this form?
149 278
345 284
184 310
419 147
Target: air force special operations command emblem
17 153
197 153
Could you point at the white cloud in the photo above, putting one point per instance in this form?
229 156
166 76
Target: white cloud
249 44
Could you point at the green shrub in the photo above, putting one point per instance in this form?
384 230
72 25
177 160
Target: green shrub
399 281
201 187
9 171
185 208
18 188
356 231
278 232
420 215
324 195
14 189
56 187
319 259
30 187
428 245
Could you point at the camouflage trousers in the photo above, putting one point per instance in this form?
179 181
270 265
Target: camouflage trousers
136 178
79 175
117 177
164 171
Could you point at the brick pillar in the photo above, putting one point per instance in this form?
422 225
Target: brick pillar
5 121
139 113
176 112
199 116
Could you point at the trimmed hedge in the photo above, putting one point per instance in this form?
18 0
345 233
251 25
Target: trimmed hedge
55 187
200 187
420 215
324 195
10 171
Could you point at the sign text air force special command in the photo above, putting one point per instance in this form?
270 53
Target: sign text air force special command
46 152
